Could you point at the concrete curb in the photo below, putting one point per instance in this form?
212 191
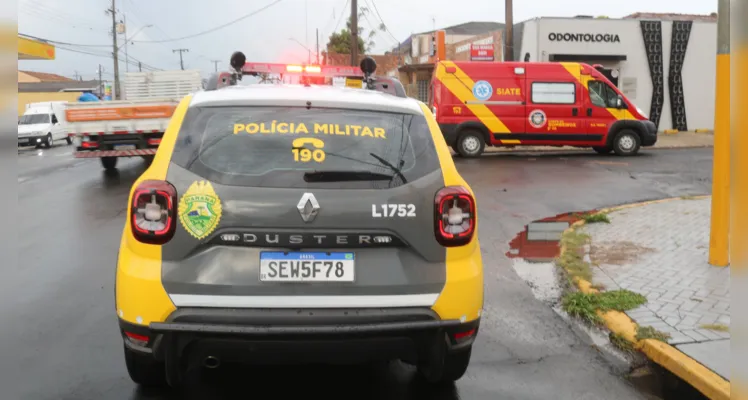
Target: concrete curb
703 379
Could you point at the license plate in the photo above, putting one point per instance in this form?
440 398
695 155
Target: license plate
306 267
124 147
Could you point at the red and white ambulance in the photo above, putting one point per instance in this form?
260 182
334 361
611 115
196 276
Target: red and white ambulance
535 104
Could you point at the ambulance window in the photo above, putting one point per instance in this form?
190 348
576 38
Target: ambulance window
601 94
553 93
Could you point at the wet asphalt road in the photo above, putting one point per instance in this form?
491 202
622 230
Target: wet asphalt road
59 337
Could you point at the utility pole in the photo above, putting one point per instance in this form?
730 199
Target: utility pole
181 60
508 31
354 32
115 87
720 218
317 46
216 63
101 84
140 66
127 58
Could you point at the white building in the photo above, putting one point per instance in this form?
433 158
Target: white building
665 66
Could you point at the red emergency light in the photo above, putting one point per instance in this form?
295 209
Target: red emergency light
317 70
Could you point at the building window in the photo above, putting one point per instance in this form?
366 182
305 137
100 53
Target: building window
602 95
423 90
554 93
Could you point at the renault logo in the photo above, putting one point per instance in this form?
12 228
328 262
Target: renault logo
308 207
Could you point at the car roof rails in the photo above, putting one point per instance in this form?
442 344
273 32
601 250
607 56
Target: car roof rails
385 84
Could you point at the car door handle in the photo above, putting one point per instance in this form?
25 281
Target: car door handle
589 112
574 111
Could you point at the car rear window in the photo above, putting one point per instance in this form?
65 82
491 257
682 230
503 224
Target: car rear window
281 146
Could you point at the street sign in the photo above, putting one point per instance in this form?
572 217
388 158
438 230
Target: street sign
481 52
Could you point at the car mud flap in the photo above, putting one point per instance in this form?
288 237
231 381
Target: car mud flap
172 360
431 366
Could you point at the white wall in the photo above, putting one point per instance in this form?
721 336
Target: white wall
699 75
698 69
530 41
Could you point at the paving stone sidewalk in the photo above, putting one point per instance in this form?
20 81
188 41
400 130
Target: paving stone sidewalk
661 251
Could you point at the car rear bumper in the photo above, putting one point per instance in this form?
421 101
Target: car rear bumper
292 336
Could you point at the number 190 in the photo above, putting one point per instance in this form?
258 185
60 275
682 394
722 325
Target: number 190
306 155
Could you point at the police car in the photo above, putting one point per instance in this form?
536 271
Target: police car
297 224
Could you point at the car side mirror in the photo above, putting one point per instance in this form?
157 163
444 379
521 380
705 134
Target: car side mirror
619 102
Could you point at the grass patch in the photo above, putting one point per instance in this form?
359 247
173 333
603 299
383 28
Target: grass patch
572 261
648 332
716 327
596 218
586 305
621 343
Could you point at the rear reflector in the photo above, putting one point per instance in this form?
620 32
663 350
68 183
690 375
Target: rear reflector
89 145
137 338
154 142
454 216
153 210
463 335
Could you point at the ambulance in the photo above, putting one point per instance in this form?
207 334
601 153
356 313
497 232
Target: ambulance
479 104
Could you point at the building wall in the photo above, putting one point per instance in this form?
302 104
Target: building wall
460 51
529 41
26 78
37 97
635 79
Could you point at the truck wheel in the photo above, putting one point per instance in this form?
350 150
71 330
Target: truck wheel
626 143
48 141
143 370
603 150
454 367
69 139
109 163
470 144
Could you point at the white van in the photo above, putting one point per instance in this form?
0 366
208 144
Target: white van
41 124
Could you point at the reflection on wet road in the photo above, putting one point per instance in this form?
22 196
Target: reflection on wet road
59 336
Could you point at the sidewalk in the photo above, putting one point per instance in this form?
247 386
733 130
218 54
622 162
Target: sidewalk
660 250
680 140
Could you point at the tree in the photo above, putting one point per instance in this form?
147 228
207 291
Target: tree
340 42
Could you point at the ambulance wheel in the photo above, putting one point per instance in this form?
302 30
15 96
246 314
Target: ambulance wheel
603 150
470 144
109 163
48 141
626 143
143 370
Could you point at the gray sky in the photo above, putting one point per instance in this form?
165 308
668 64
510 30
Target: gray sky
265 36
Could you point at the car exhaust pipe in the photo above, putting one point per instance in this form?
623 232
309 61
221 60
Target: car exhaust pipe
211 362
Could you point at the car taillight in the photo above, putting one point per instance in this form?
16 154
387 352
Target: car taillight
153 212
454 216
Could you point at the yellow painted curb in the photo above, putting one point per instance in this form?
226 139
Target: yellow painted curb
670 131
703 379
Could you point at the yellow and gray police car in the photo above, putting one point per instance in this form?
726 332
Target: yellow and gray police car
280 220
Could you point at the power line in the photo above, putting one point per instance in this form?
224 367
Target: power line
376 10
213 29
107 55
64 43
342 13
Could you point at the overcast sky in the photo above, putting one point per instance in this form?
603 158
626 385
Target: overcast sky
267 35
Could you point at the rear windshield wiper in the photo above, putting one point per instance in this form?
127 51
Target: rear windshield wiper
389 165
343 176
